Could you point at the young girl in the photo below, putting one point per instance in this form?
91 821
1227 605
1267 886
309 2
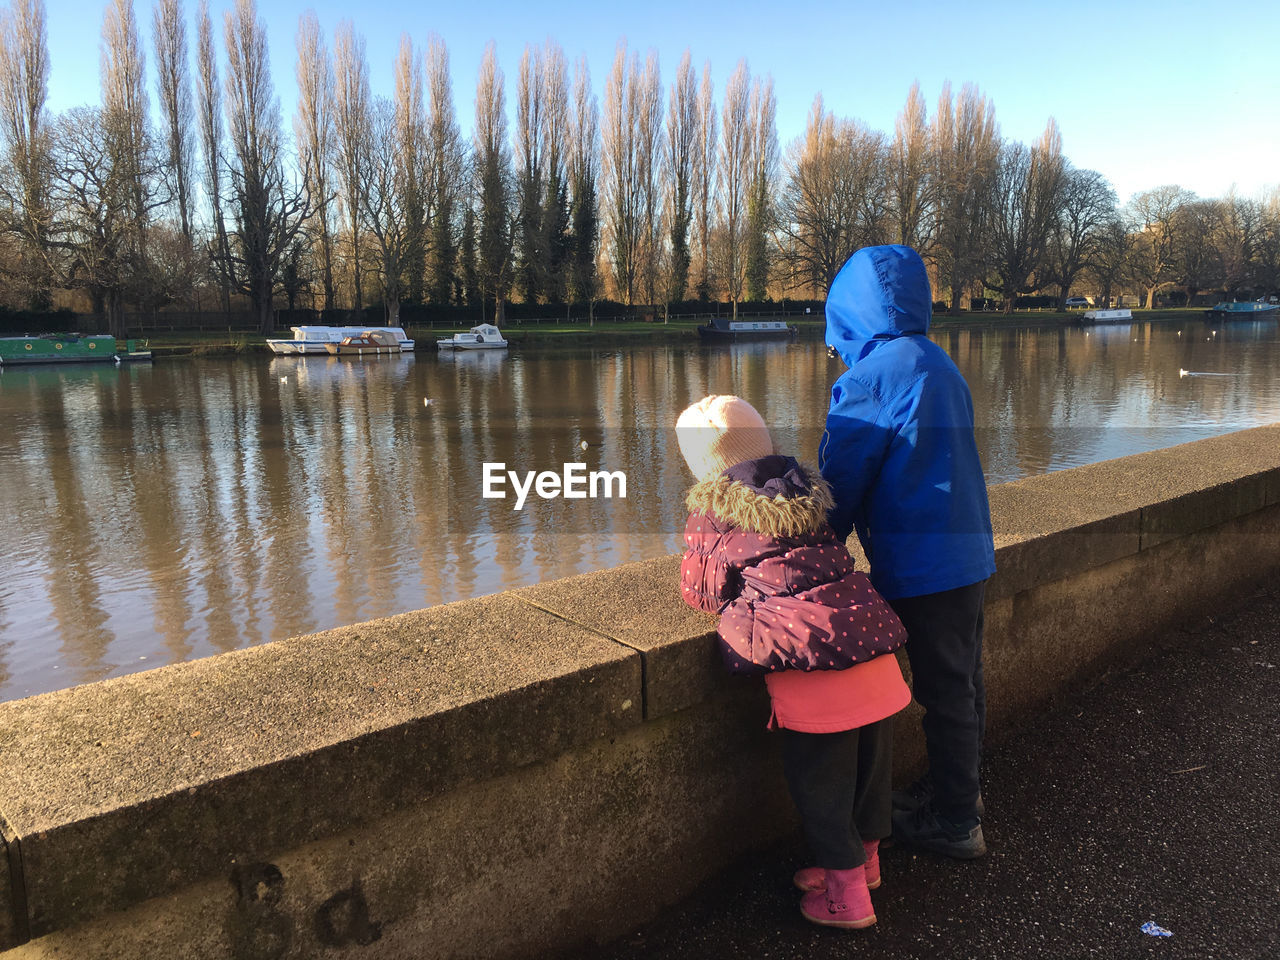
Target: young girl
758 550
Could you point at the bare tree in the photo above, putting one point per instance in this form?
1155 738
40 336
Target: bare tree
761 174
833 199
351 126
704 181
209 110
24 131
383 195
531 144
313 130
1112 255
95 231
1238 236
1266 245
620 186
647 107
910 177
733 173
493 175
1024 211
1153 218
124 106
554 229
410 138
683 134
173 80
1197 258
584 165
270 212
965 148
1088 204
447 177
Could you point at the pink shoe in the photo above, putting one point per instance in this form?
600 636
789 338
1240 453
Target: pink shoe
810 878
815 878
846 903
872 866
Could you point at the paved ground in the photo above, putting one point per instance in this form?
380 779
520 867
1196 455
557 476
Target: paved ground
1153 795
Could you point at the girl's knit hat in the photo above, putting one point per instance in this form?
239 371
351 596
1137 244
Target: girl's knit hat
717 432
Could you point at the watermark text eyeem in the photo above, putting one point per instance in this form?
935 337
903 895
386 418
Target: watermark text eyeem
572 483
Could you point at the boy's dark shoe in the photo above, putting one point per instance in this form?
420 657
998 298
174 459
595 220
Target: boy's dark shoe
915 795
920 793
926 829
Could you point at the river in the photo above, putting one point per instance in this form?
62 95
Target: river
158 513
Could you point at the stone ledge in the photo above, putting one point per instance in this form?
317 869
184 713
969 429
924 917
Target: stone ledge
1058 524
123 790
639 605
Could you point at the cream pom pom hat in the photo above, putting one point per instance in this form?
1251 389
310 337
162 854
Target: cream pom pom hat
719 431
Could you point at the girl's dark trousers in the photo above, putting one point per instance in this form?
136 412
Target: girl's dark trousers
840 783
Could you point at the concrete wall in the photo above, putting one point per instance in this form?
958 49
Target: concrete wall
520 773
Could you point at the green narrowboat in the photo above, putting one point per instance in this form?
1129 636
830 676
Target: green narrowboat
67 348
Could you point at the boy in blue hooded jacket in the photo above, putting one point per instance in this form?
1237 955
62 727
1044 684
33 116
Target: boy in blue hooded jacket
900 457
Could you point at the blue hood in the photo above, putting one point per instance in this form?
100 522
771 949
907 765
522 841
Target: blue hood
881 293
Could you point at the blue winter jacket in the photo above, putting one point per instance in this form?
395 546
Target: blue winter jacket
898 450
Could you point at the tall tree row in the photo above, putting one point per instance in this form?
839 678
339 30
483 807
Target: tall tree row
658 191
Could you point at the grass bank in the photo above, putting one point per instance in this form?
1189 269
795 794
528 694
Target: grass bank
188 343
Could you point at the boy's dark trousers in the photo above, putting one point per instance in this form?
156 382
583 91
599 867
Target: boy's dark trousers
840 783
944 646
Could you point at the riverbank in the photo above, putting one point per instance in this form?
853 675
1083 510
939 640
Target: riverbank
187 343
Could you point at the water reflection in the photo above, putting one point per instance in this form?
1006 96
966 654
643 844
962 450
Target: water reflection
161 513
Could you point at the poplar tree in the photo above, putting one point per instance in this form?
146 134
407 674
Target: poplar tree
966 145
554 229
209 113
683 135
704 180
128 155
313 132
270 213
493 177
410 136
382 194
910 181
173 82
760 185
733 181
351 126
25 133
582 171
531 145
446 183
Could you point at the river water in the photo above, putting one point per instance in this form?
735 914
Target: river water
158 513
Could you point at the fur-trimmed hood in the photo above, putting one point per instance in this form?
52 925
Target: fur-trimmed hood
774 496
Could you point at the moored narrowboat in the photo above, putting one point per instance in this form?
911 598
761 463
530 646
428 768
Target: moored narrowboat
68 348
724 329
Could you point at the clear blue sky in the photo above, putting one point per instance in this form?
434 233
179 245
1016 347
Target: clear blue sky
1147 92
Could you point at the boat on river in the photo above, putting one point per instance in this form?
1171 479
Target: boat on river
370 342
1107 316
313 339
1242 310
483 337
723 329
68 348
